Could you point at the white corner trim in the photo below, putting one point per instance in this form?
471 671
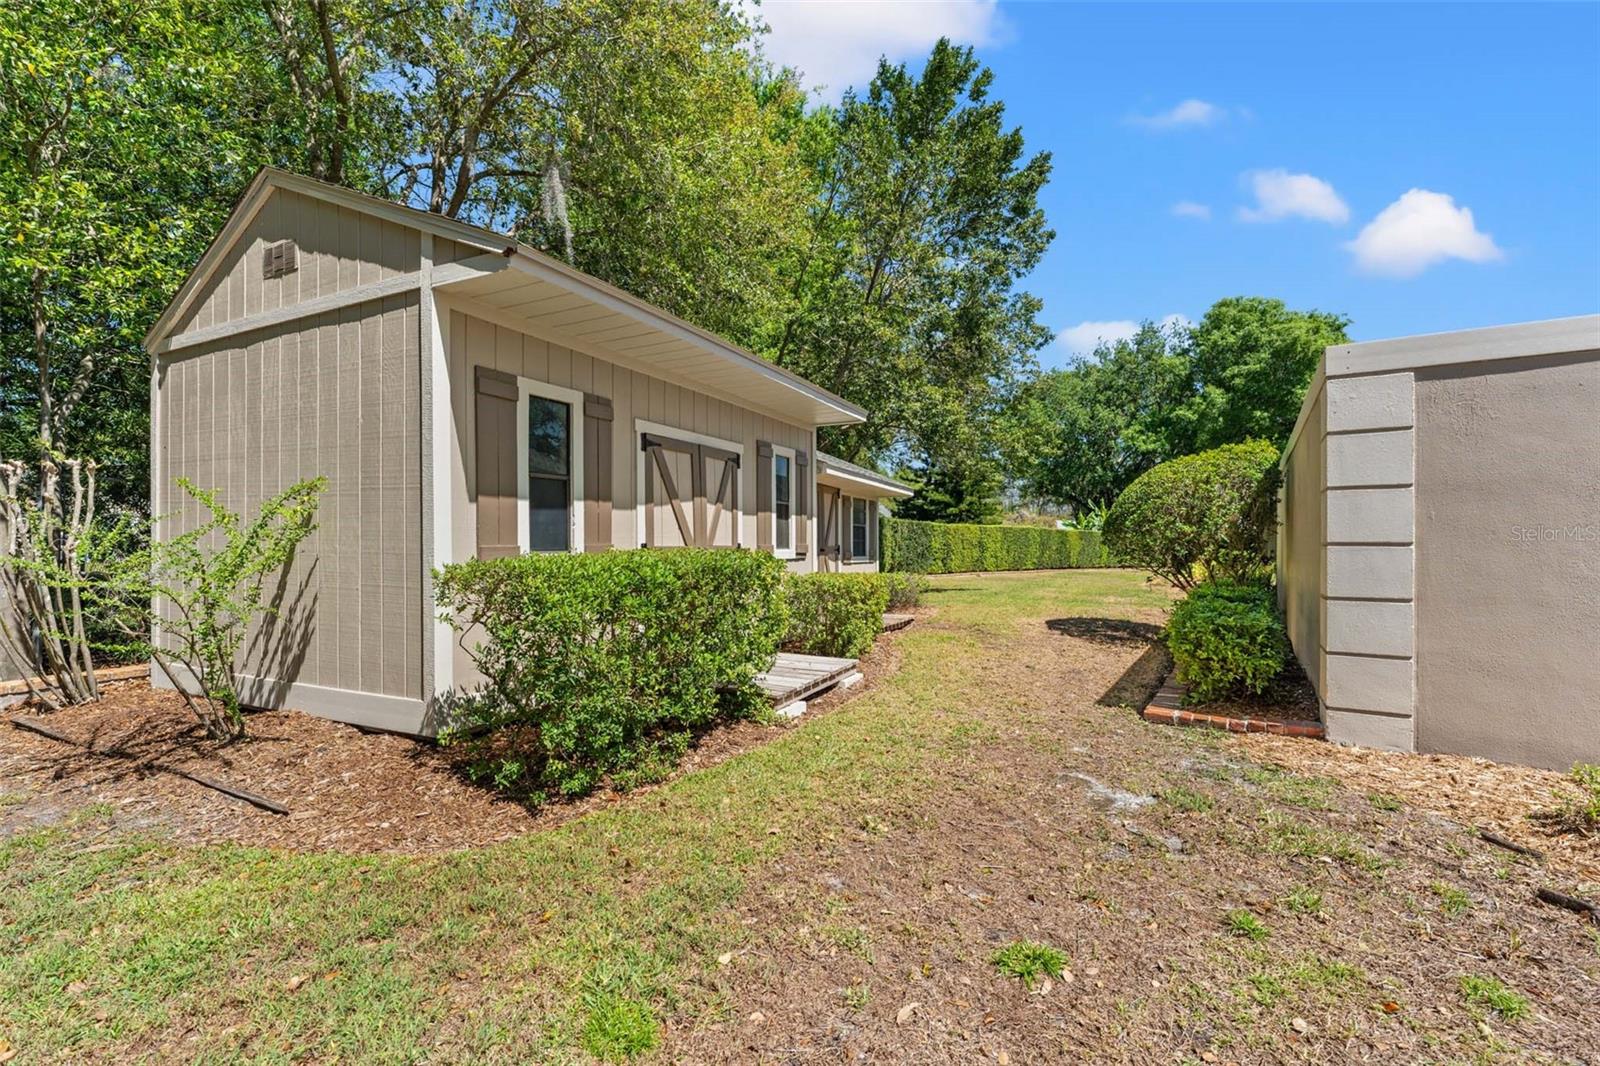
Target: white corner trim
1548 337
439 421
527 387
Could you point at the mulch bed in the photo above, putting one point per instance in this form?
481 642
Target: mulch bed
1289 697
347 790
1474 793
1287 707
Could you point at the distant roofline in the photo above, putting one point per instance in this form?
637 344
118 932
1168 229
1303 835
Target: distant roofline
852 472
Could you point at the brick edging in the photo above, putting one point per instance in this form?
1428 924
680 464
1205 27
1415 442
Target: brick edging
1166 708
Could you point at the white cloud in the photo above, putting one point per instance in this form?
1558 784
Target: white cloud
1190 209
1083 338
1188 113
1280 194
837 43
1418 230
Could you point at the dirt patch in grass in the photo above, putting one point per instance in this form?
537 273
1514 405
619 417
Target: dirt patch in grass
347 790
1208 907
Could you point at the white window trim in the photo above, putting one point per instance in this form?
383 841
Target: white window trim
527 387
772 501
644 425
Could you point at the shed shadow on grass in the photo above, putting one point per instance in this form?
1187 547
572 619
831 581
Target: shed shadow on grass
1144 675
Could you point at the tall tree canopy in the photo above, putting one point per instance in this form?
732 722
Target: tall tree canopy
1107 419
126 127
906 295
1240 374
875 246
1252 359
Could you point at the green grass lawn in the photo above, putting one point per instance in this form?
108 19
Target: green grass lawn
982 852
561 944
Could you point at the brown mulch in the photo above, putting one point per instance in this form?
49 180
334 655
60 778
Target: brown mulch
1288 697
1475 793
347 790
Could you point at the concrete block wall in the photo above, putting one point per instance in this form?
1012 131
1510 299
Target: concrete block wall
1437 628
1369 631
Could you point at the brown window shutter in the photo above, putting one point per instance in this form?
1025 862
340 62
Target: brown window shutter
764 495
497 464
597 419
802 504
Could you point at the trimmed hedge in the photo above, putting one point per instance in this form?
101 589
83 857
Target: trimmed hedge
952 548
605 663
1207 516
834 614
1227 638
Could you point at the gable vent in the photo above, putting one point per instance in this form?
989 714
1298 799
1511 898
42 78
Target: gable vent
280 259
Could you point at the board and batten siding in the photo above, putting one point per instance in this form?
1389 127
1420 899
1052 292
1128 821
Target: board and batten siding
472 342
337 249
335 395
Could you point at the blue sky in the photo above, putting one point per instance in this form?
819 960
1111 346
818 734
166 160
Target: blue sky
1417 168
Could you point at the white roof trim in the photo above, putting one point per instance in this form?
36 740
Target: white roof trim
524 258
885 487
544 268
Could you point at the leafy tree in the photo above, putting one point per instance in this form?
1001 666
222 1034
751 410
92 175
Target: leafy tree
1240 374
1103 421
126 128
1251 359
953 494
906 293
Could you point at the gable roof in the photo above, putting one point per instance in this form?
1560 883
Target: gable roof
508 271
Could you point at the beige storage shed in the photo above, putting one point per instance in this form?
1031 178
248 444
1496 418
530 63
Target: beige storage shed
465 396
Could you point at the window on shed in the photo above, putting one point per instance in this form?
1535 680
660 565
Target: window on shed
549 475
782 501
858 529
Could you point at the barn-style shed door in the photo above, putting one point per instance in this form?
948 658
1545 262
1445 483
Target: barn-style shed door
828 528
691 494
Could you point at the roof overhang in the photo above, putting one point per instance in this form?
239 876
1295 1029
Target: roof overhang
531 292
517 286
858 481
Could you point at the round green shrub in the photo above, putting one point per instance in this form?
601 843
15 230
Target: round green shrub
1208 516
1227 638
834 614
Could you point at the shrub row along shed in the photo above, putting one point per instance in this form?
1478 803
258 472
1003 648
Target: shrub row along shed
466 396
1439 542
